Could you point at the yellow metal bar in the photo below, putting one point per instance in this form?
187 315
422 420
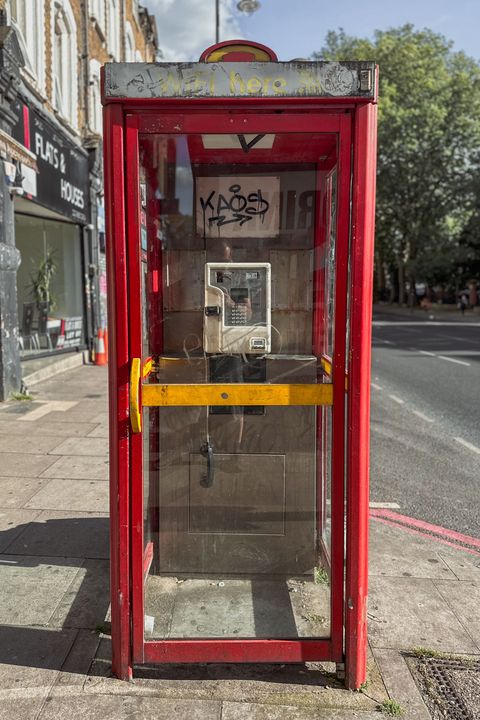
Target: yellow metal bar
135 416
147 367
326 365
236 394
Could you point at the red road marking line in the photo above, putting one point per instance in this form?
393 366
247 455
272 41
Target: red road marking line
412 531
422 525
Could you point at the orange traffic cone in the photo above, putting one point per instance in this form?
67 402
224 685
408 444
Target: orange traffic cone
105 340
100 354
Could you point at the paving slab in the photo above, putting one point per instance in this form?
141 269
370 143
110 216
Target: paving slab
30 661
75 495
40 444
463 598
236 607
101 431
308 685
86 602
82 446
249 711
12 523
64 534
83 412
53 429
76 467
101 707
400 684
77 664
16 491
18 465
411 612
101 418
395 553
465 567
31 588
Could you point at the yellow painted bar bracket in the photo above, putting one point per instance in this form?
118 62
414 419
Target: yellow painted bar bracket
135 416
236 394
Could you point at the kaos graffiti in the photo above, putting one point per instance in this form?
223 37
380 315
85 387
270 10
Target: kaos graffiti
237 206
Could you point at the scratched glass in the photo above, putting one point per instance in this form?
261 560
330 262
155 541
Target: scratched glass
237 246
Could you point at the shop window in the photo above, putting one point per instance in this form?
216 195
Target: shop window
64 50
129 43
25 17
50 285
114 29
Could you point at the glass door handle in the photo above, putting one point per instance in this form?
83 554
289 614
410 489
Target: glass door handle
207 452
135 409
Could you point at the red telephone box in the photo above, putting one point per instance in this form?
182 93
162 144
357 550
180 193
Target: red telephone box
240 205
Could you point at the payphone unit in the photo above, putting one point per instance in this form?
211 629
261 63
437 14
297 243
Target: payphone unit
237 308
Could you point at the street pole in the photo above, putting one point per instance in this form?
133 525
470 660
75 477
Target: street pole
217 21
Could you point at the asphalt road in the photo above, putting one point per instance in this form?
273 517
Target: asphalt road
425 418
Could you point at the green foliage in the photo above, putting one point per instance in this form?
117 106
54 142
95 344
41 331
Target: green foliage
320 576
423 652
428 140
392 707
21 396
40 288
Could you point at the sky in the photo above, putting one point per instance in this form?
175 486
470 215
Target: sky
297 28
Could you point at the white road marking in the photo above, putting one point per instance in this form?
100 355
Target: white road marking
460 339
419 323
450 359
48 407
397 399
377 387
459 353
384 342
422 416
468 445
425 352
384 506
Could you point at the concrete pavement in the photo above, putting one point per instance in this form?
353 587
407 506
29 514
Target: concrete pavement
424 592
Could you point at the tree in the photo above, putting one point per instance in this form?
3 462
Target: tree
428 134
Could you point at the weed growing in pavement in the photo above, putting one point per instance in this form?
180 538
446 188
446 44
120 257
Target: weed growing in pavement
364 686
392 707
21 396
320 576
426 652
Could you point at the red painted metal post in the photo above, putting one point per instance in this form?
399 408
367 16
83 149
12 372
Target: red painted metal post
118 392
132 186
361 285
338 378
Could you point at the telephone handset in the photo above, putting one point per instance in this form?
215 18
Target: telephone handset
237 308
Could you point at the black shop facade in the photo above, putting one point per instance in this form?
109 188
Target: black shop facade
51 218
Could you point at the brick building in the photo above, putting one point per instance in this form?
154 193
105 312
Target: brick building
52 264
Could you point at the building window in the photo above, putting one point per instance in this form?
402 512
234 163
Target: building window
25 17
64 61
114 29
97 12
129 43
95 98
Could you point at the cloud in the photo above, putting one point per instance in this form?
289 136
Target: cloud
186 27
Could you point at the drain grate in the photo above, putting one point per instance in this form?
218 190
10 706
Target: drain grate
451 687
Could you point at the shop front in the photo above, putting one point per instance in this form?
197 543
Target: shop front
51 218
